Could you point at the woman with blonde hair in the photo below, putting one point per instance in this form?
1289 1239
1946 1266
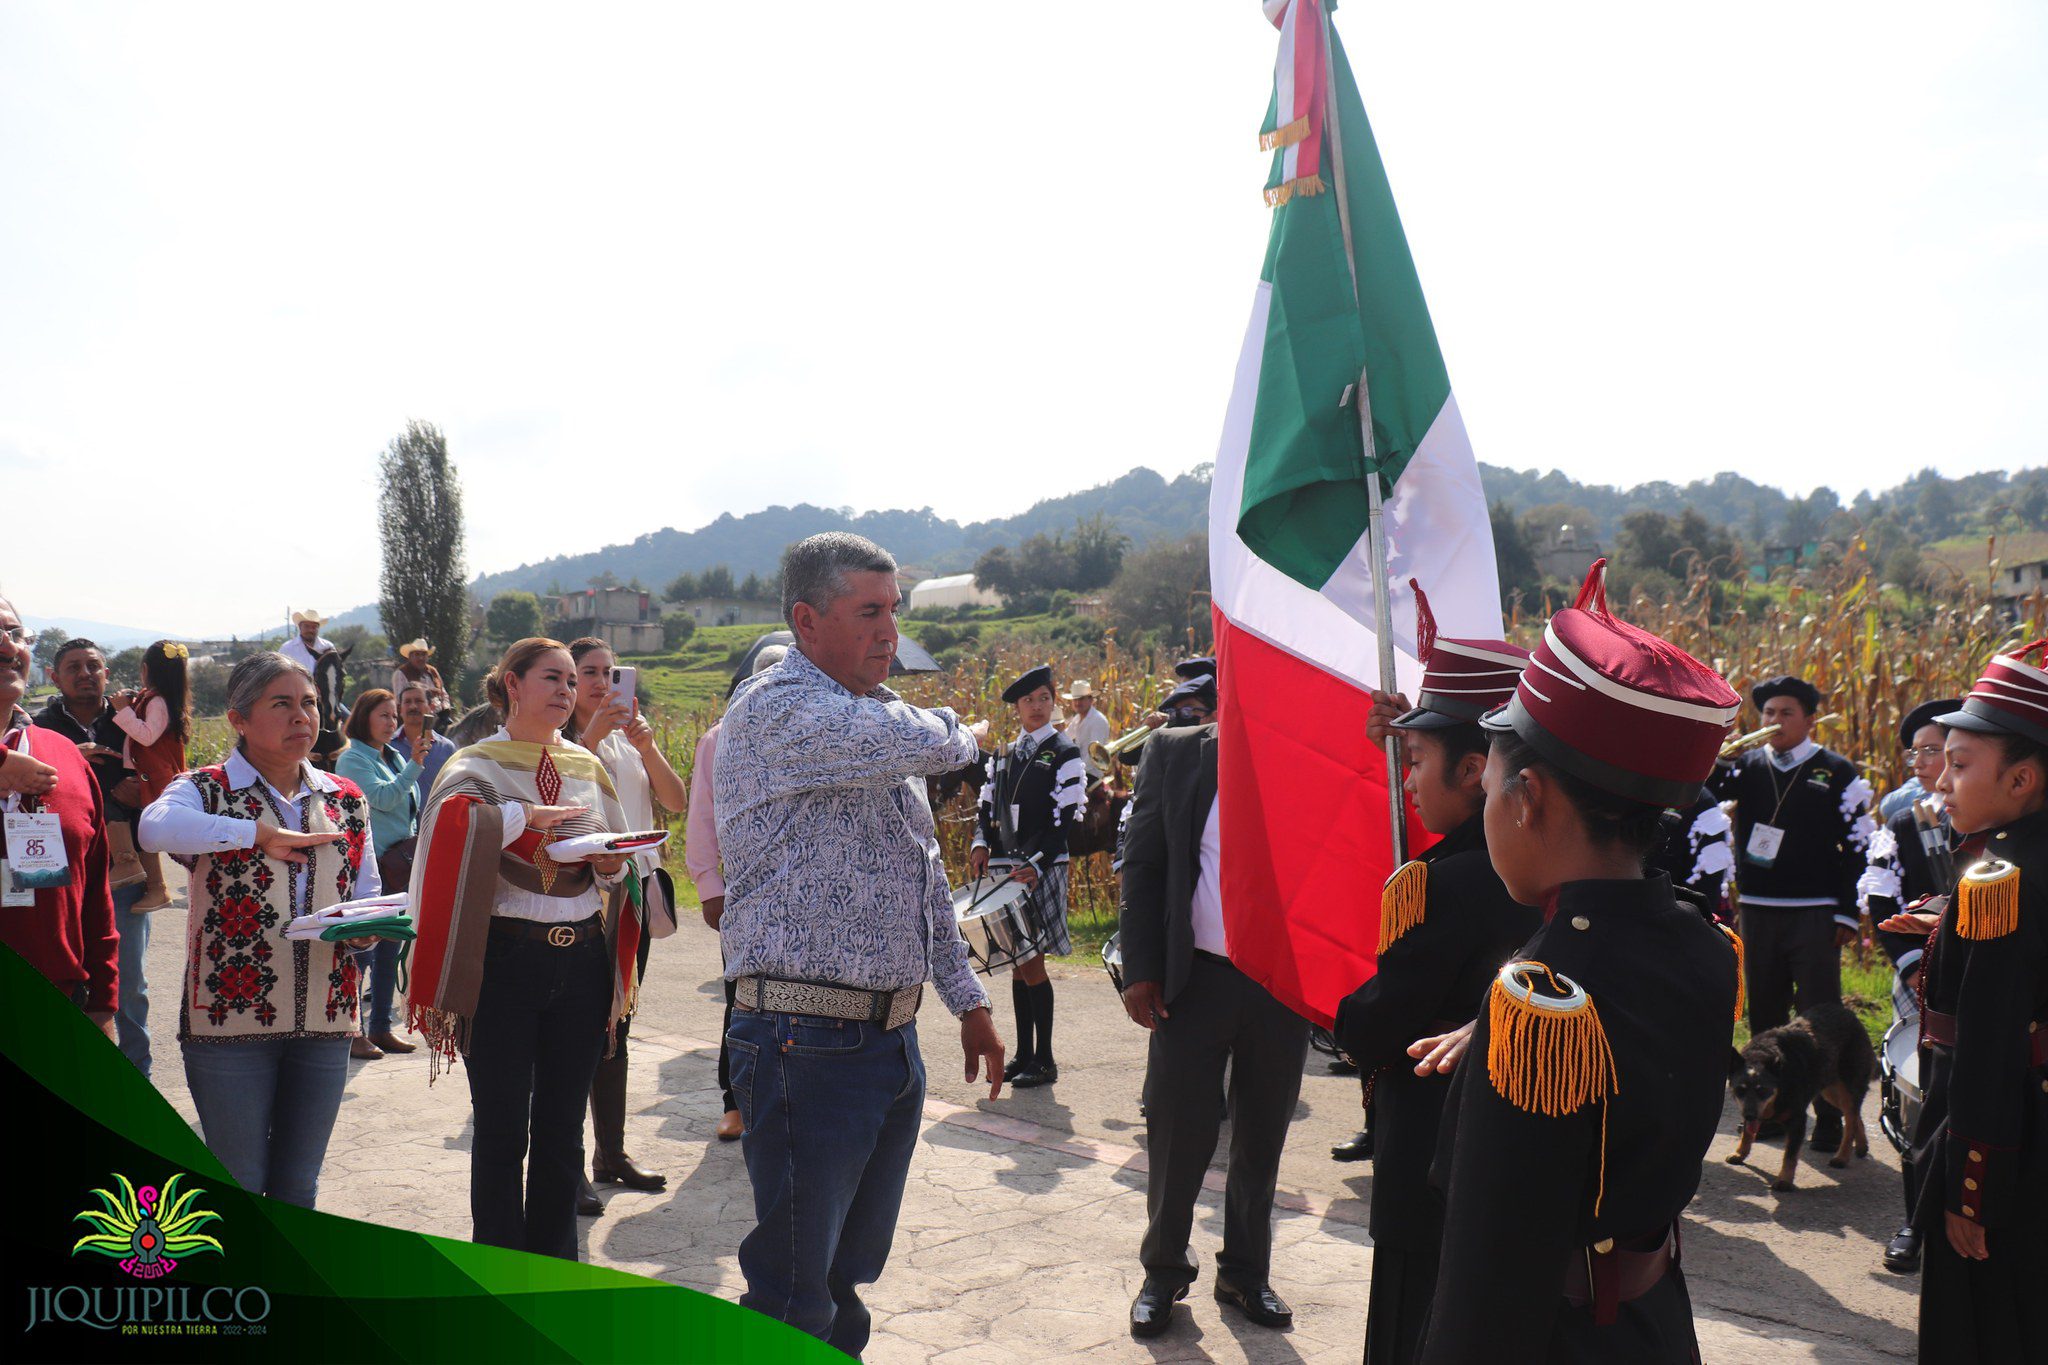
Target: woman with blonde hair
523 963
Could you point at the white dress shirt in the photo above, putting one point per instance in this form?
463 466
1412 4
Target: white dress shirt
1092 728
1206 906
636 793
178 822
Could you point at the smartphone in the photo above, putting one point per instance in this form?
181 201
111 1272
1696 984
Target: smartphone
625 684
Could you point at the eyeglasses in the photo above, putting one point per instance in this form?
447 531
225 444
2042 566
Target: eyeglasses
18 635
1924 751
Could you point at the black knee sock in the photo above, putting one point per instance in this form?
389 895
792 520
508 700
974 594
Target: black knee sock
1041 1006
1020 1000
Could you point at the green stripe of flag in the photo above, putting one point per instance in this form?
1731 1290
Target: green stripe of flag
1304 502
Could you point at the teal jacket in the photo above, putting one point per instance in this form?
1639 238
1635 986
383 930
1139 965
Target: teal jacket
394 793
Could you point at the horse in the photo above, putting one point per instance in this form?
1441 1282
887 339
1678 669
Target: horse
330 689
477 724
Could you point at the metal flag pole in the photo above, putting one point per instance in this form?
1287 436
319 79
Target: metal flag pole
1375 525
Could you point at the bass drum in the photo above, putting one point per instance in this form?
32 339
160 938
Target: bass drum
1898 1065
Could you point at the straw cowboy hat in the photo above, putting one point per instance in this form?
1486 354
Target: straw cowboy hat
299 618
411 647
1077 689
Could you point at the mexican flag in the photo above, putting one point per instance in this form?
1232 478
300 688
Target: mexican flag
1305 825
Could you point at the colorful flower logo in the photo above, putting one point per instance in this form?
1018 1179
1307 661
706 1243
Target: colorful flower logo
146 1231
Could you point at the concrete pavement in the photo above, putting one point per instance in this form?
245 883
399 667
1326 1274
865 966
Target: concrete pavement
1020 1225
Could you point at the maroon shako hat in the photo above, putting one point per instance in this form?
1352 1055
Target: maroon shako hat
2011 697
1623 709
1461 679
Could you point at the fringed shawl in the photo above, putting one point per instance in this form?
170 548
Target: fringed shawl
463 860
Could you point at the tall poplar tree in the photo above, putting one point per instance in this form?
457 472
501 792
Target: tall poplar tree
425 585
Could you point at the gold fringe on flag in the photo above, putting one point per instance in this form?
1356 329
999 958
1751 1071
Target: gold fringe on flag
1306 185
1548 1054
1735 942
1402 903
1286 135
1988 900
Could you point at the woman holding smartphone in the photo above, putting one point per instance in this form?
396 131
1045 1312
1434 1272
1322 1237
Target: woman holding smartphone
609 724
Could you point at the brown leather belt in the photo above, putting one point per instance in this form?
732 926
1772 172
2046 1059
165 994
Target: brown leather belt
1939 1028
556 934
1610 1278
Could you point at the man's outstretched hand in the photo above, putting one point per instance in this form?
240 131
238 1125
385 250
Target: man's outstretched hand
984 1048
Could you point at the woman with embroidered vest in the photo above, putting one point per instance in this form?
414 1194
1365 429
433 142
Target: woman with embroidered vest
389 777
624 742
1031 805
266 1019
523 964
1574 1131
157 718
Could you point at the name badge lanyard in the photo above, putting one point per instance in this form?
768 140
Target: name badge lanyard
1767 837
36 858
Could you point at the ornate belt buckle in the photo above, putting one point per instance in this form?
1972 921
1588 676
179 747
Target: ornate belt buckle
561 936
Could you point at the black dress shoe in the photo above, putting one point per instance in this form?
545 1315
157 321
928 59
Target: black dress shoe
1353 1149
587 1202
1902 1252
1343 1066
623 1170
1038 1073
1152 1310
1013 1067
1261 1305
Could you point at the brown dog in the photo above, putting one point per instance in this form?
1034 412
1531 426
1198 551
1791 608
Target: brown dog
1825 1053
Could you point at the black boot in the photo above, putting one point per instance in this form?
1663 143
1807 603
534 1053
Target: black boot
609 1163
1021 1057
1042 1069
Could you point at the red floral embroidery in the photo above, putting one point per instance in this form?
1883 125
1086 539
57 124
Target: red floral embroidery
241 916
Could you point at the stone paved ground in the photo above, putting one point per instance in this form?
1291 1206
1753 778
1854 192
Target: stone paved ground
1020 1226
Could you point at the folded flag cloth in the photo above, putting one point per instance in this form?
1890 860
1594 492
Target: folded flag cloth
583 846
378 916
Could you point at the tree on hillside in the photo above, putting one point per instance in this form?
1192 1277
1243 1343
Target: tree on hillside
1098 551
48 642
681 588
606 579
1164 587
1540 525
753 588
513 616
1512 558
715 581
1045 563
423 583
996 571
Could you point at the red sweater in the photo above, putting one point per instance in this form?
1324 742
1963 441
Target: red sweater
70 936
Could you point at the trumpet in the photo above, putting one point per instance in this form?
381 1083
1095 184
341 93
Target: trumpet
1105 756
1748 741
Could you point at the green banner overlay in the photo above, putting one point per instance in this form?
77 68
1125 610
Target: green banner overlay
129 1241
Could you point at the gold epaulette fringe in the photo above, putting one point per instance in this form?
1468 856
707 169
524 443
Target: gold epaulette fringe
1735 942
1988 900
1286 135
1304 186
1549 1054
1403 901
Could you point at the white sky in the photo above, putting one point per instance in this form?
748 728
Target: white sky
649 264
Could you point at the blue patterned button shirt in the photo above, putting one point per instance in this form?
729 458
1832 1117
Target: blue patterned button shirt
832 869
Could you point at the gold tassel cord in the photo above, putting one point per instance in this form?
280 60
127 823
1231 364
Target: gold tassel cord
1402 903
1549 1060
1285 136
1305 186
1988 900
1741 977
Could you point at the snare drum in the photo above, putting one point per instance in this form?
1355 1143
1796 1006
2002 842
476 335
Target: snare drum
993 921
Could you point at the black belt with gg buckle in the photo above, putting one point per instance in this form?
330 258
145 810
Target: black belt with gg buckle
555 935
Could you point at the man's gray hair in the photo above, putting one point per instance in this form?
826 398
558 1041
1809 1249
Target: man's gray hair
814 569
253 676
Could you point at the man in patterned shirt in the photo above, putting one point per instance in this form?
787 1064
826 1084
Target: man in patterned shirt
836 912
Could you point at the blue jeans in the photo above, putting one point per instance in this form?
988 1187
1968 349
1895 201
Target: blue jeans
131 1021
266 1108
832 1109
380 974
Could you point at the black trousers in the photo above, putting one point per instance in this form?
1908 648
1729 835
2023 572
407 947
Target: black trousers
534 1045
1221 1016
1789 959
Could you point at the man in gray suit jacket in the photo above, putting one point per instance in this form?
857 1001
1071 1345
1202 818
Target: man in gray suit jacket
1202 1012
